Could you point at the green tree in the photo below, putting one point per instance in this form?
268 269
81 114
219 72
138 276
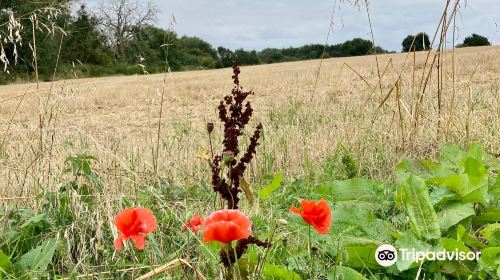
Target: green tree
246 57
378 50
475 40
47 43
420 42
84 42
356 46
225 57
145 48
196 53
271 55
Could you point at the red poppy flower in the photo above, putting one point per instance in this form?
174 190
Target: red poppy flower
317 215
194 224
226 226
134 223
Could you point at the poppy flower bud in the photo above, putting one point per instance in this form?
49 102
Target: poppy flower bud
210 127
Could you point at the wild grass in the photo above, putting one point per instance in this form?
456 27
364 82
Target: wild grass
115 118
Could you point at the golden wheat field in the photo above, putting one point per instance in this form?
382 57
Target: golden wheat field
117 119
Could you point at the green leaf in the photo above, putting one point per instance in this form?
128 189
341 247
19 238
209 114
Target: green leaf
491 233
360 255
441 195
474 168
343 272
470 189
460 232
419 208
357 219
276 272
450 245
266 192
4 262
453 213
452 155
490 260
476 151
247 267
34 220
96 182
409 241
489 215
38 258
425 169
355 190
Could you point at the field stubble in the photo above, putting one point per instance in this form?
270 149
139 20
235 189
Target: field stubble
116 119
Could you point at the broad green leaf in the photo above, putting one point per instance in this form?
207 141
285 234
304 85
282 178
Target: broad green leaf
38 258
354 189
474 168
489 215
450 245
34 220
491 233
425 169
360 255
279 273
452 213
476 151
479 195
247 269
266 192
442 195
344 273
4 262
334 247
452 155
452 267
408 241
358 219
460 232
471 189
490 260
419 208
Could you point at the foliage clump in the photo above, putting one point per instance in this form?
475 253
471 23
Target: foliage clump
418 42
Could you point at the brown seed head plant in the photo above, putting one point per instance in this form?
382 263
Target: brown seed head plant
235 114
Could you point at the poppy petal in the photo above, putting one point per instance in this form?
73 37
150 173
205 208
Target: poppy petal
124 220
139 241
316 214
119 243
307 206
194 224
147 220
226 226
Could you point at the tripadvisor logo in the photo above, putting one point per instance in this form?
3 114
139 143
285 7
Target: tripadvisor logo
387 255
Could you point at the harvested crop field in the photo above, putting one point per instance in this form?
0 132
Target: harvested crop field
116 118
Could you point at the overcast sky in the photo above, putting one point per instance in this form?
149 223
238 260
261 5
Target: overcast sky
258 24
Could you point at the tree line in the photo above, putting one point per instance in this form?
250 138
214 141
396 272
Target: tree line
119 37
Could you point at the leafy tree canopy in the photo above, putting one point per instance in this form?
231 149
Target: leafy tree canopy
418 42
475 40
